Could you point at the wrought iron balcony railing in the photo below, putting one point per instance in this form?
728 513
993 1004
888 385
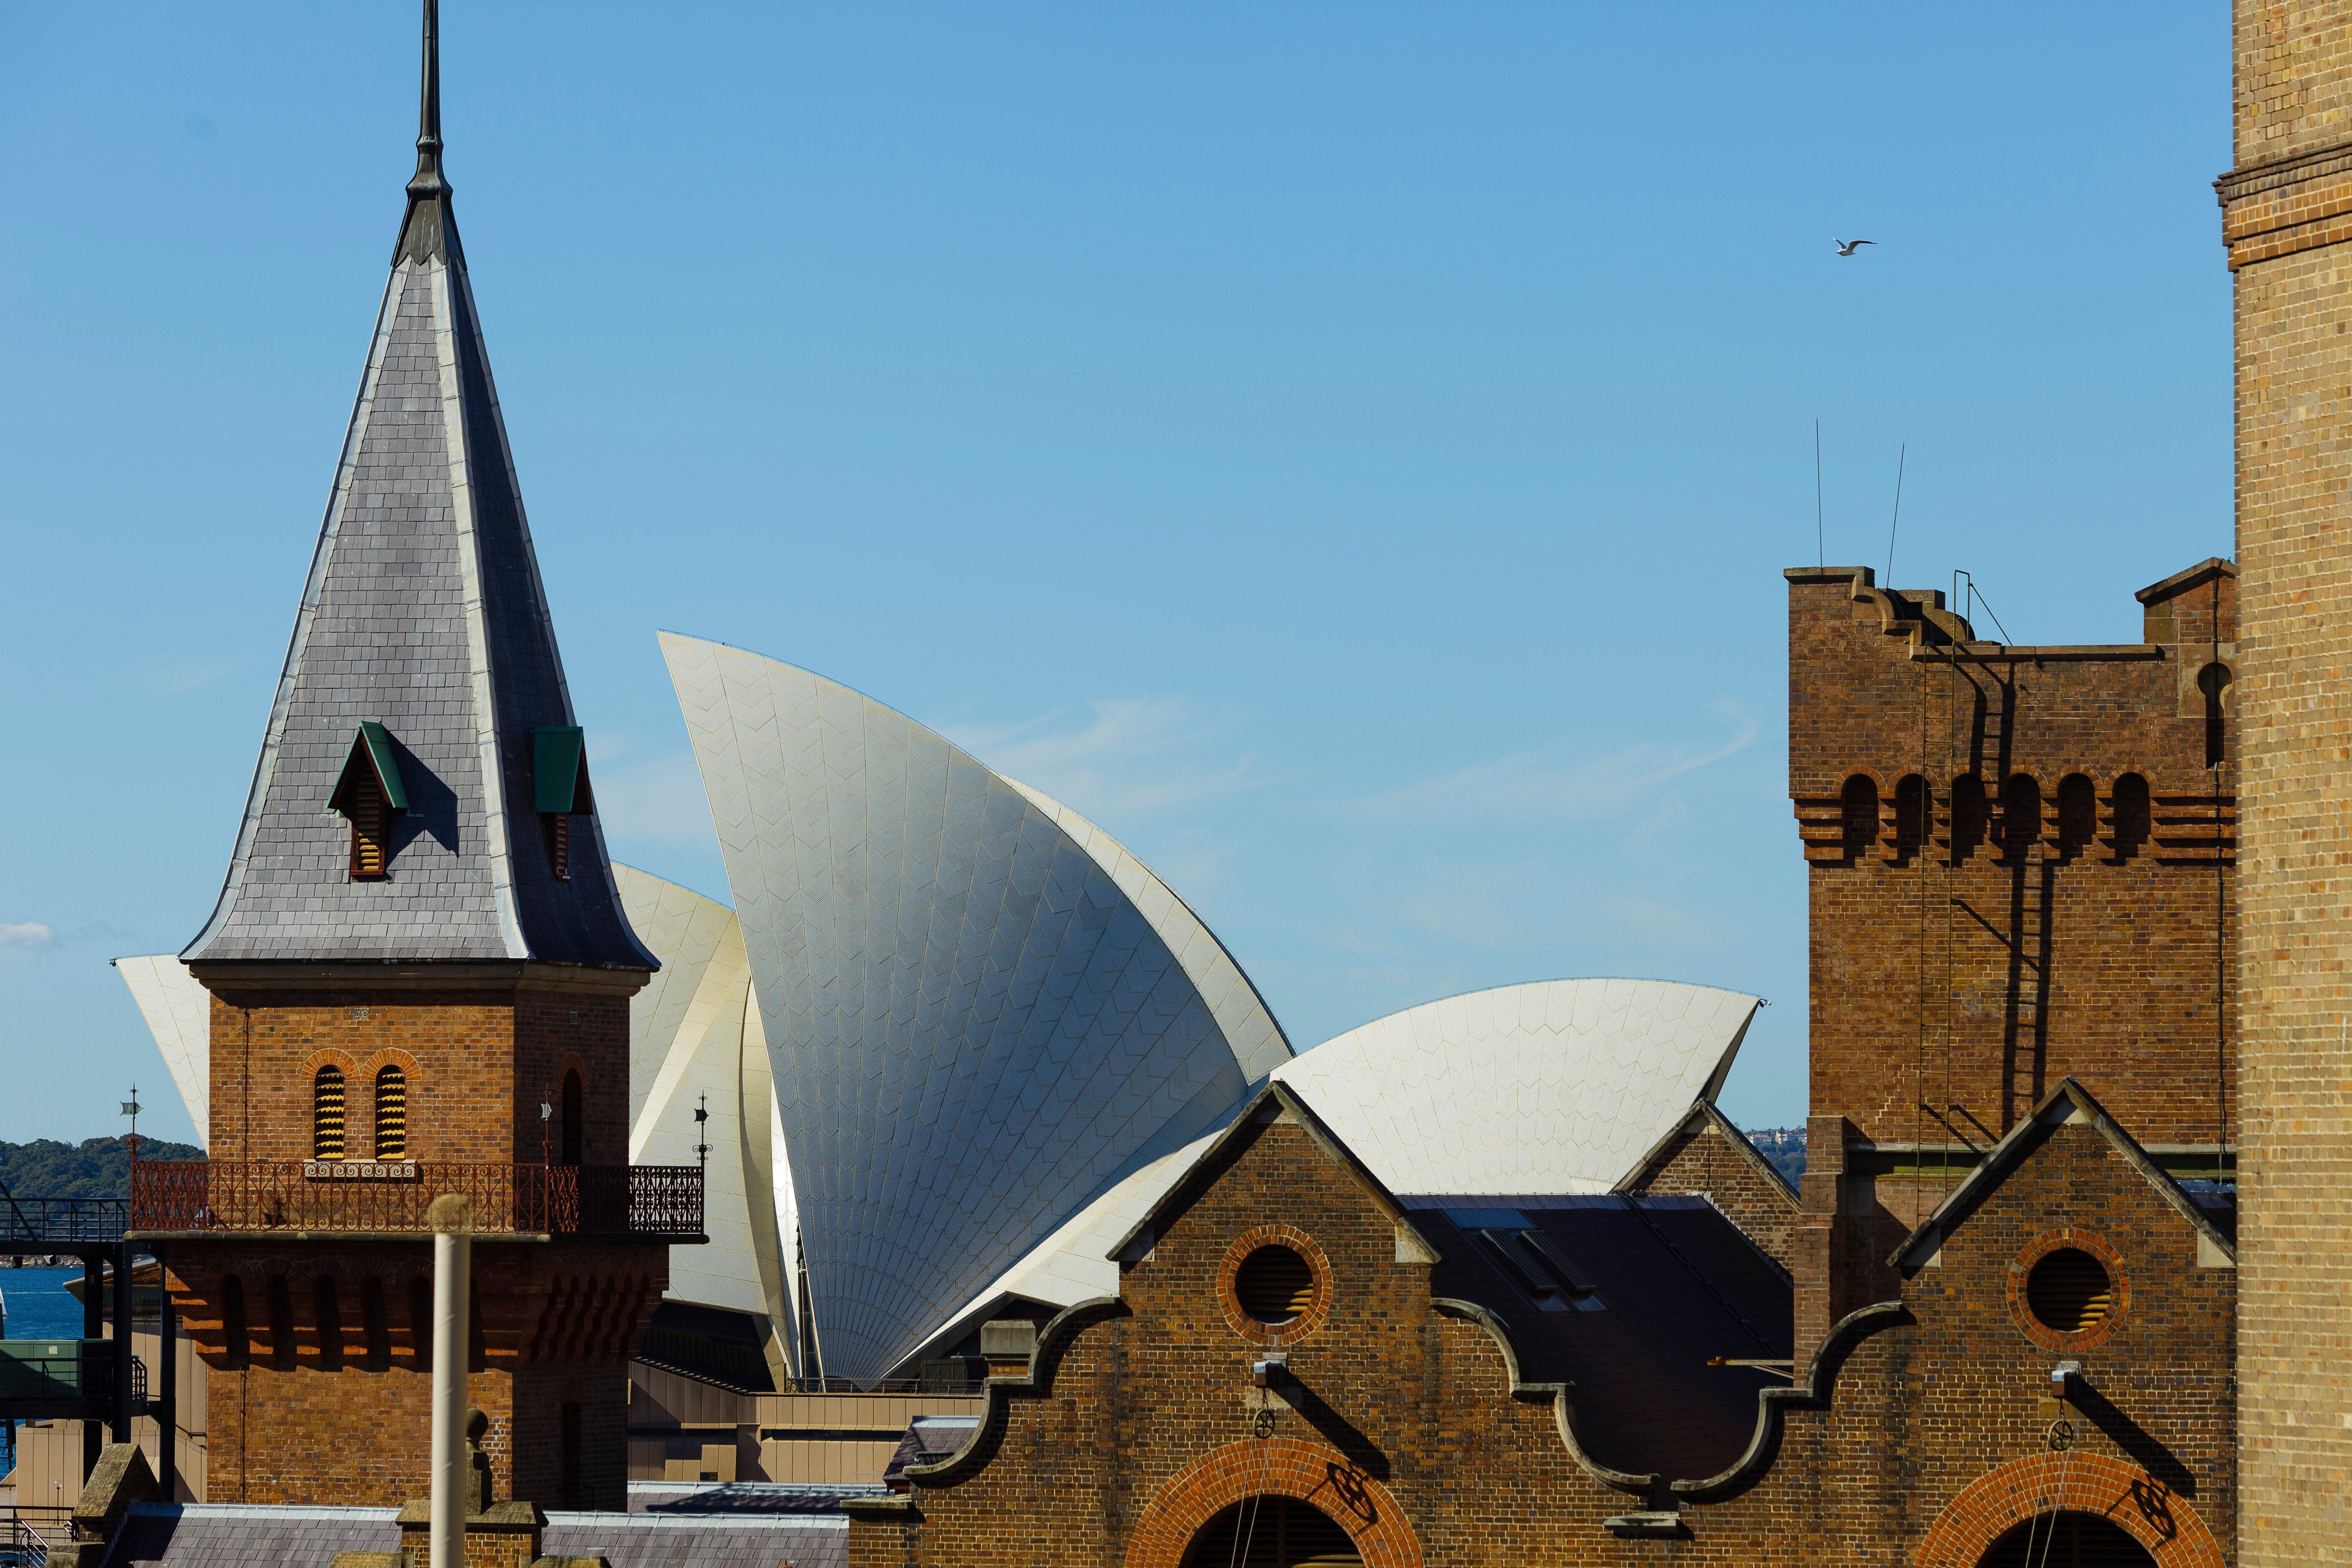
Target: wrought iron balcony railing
182 1196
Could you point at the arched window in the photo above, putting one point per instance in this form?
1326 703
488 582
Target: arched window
2021 816
328 1307
327 1114
1271 1532
1968 815
420 1321
572 1113
1913 823
2213 681
2133 818
2078 815
391 1114
234 1330
567 1456
375 1330
281 1323
1859 802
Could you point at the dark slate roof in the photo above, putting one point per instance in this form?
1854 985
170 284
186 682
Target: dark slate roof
735 1540
746 1497
1677 1284
928 1439
239 1535
424 613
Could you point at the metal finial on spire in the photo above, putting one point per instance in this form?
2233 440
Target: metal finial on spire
428 107
428 232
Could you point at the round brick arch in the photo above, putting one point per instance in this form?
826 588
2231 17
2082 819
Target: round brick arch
1274 1467
2145 1508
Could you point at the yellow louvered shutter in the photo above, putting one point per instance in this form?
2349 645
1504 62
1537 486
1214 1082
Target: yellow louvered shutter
327 1114
368 829
391 1114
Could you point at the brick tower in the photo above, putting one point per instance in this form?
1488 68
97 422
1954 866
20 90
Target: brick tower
420 976
2287 222
2021 865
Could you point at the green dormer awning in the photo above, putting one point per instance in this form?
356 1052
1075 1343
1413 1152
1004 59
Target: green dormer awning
559 772
371 749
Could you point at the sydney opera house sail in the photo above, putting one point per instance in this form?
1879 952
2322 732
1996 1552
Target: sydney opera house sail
1557 1087
975 1028
695 1045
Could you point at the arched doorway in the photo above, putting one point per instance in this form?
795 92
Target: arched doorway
1271 1532
1190 1502
1978 1526
2066 1540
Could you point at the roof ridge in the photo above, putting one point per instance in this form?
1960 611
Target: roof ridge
2018 1144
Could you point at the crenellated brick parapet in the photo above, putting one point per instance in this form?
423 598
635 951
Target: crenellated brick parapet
2022 862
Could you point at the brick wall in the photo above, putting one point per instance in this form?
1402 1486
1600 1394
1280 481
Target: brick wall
557 1031
1703 1161
478 1063
1407 1431
1972 958
2286 223
343 1416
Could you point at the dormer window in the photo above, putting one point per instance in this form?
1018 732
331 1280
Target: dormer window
559 779
368 793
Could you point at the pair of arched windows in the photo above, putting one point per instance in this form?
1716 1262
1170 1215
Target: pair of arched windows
328 1139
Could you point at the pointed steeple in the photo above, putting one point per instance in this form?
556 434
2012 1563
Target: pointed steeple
407 806
429 231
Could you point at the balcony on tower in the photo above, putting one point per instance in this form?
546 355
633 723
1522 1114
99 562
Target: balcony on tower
314 1198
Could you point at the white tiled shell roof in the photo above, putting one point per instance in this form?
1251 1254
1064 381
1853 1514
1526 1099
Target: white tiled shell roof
1543 1089
1074 1264
687 1046
980 1011
1551 1088
179 1014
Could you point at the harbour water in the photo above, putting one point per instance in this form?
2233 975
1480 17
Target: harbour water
36 1307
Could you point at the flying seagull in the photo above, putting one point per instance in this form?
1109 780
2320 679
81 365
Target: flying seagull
1846 247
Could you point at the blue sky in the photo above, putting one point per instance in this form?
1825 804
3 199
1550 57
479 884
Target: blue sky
1347 451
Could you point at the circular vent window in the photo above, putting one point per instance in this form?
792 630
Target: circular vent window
1275 1285
2069 1291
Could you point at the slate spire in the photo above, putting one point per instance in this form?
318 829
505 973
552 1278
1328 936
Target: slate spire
423 695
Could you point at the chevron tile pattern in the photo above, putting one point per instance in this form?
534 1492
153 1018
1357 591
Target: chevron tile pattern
1552 1087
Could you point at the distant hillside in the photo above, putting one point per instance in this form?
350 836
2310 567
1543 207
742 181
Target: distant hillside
94 1168
1785 1148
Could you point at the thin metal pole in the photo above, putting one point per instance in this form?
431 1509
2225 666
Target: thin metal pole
167 1368
122 1412
93 1327
452 1218
1820 549
1901 459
